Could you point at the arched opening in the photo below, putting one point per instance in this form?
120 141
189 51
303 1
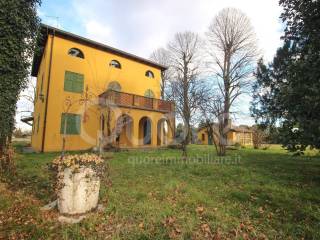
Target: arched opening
145 131
115 64
149 93
115 86
149 74
164 132
75 52
123 130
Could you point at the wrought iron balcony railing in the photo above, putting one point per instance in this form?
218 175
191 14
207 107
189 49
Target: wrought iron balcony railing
129 100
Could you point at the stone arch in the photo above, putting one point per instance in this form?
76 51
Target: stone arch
164 132
124 130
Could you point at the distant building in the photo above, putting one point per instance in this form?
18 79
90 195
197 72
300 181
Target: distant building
88 74
237 134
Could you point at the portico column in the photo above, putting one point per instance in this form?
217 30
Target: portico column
135 133
154 132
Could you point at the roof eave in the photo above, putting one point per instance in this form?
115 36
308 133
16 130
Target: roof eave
46 30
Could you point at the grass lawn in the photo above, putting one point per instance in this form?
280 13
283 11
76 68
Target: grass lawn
267 195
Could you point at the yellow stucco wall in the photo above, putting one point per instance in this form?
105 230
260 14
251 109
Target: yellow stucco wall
39 107
97 75
203 136
244 138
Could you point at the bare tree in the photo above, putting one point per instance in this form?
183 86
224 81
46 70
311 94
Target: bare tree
185 87
28 97
258 137
211 109
161 56
233 51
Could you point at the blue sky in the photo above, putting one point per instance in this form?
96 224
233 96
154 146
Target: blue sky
140 26
60 13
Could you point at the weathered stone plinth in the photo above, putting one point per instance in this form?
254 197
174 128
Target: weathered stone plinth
79 191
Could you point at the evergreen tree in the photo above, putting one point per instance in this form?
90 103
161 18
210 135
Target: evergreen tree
287 90
19 26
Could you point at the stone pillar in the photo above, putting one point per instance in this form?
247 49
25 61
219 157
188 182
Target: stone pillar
154 131
135 133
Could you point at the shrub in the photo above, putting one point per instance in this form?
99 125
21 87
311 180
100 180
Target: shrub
258 137
175 146
237 145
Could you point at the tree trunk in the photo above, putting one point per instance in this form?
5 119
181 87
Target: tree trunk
226 103
186 110
6 156
2 154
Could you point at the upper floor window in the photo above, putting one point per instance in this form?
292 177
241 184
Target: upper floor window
75 52
115 86
73 82
149 93
115 64
149 74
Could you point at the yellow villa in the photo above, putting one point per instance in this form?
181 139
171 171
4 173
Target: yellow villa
96 95
237 134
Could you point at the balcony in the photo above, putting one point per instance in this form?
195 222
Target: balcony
129 100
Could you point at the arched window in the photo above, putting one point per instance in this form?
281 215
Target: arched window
75 52
149 93
115 86
149 74
115 64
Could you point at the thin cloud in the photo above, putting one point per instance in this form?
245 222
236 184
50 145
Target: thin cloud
141 26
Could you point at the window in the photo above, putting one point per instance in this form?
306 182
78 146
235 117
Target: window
149 74
203 137
149 93
73 123
75 52
38 123
41 96
73 82
41 86
115 64
115 86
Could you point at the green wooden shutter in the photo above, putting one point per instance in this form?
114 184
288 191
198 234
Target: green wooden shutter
73 122
73 82
63 118
68 81
41 87
78 83
38 123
